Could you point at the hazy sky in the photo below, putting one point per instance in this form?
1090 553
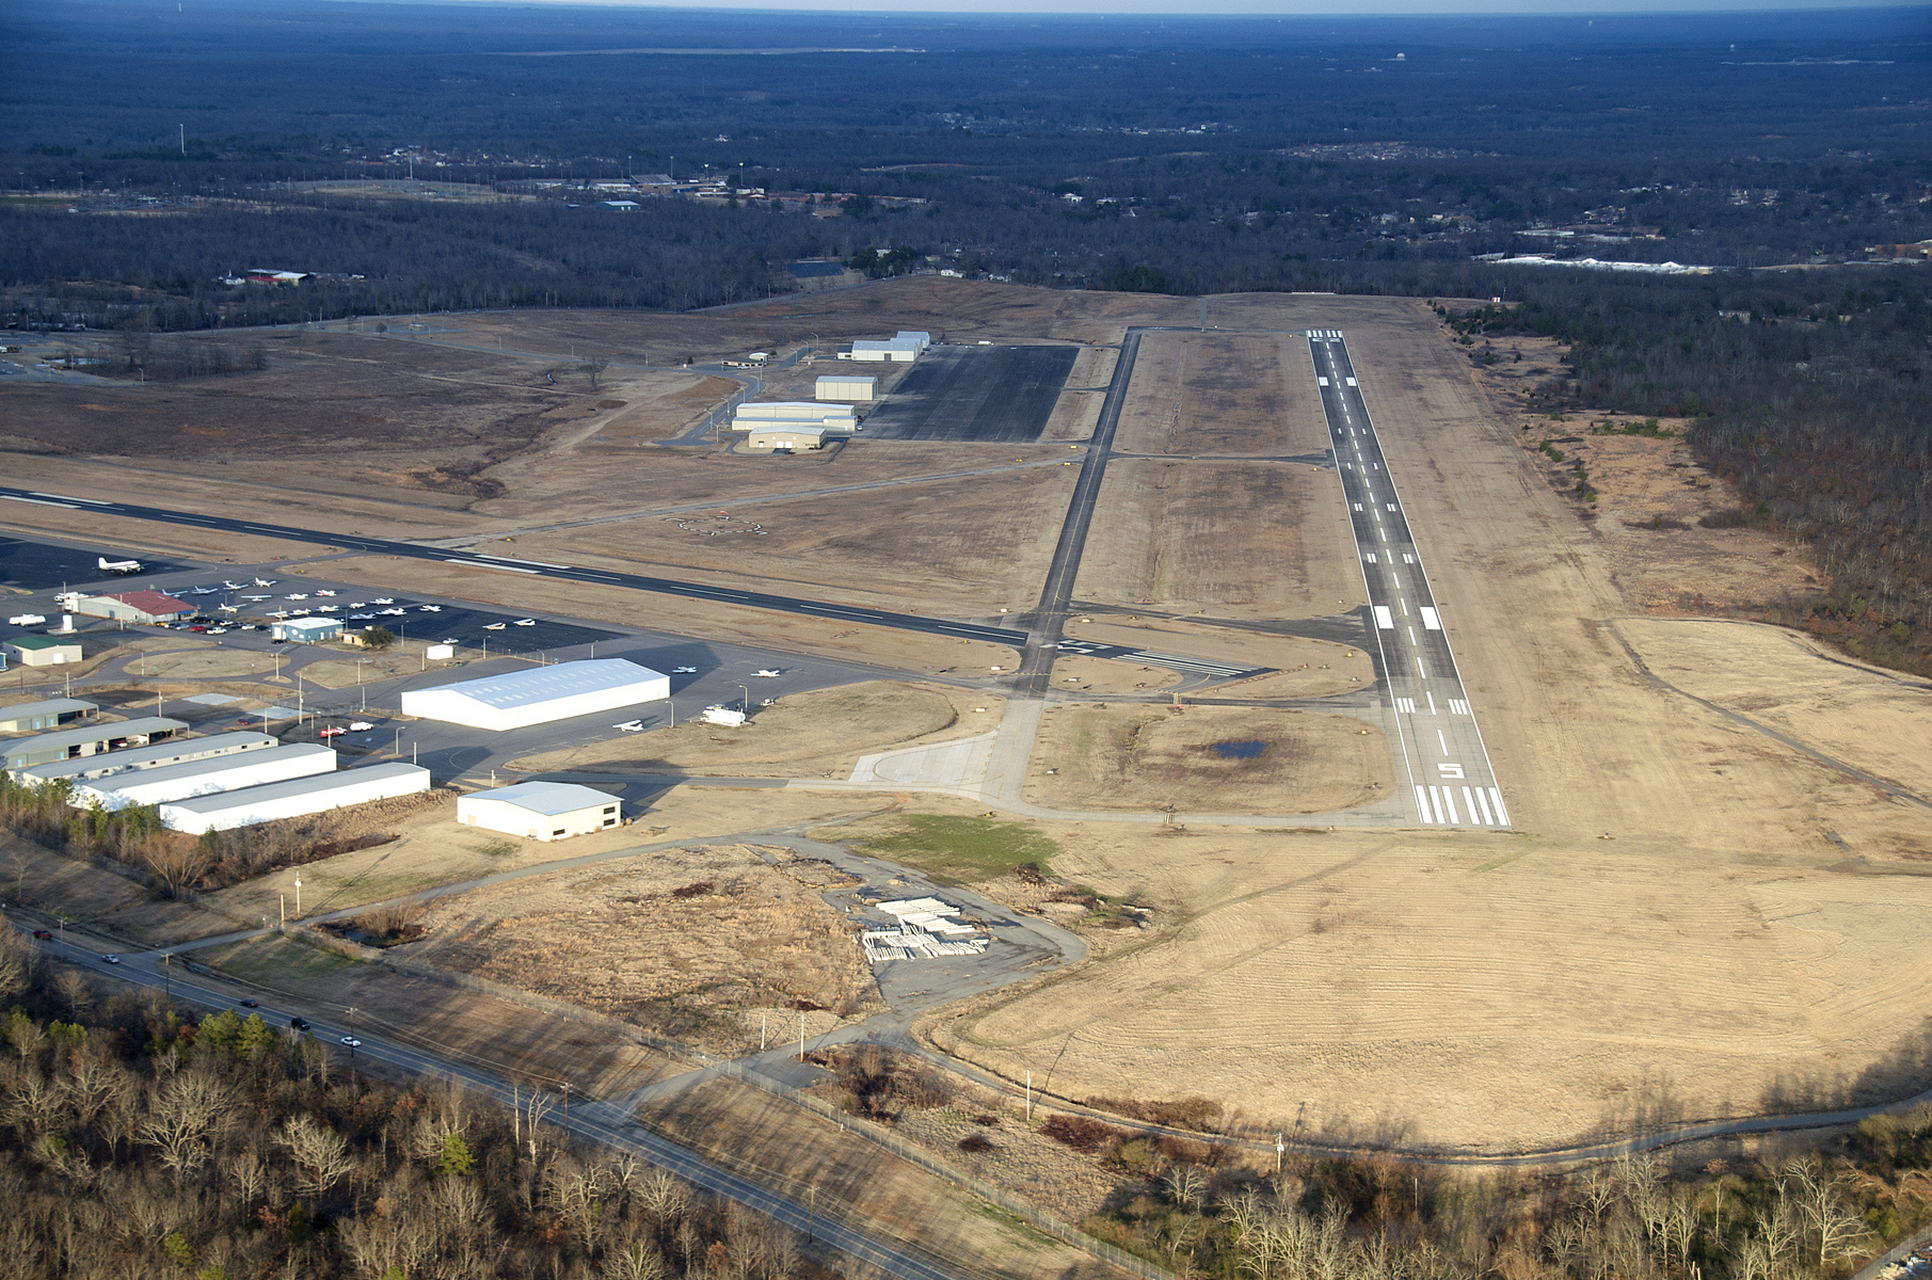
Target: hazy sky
1333 8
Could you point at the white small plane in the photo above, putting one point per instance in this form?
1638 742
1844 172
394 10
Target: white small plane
452 641
769 673
229 608
630 726
320 592
683 671
328 608
384 600
26 619
495 626
278 613
204 591
258 597
296 595
361 617
429 608
118 566
357 604
526 622
265 582
392 613
232 586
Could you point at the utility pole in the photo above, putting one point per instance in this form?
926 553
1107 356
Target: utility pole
298 897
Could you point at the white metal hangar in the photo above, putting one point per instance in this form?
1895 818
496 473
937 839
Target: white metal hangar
203 777
539 810
296 798
540 694
839 386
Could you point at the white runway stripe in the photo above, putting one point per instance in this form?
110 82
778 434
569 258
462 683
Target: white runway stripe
1502 814
1484 802
1449 803
1422 804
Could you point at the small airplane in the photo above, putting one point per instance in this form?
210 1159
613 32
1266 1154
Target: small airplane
265 582
384 600
296 595
361 617
452 641
357 604
204 591
232 586
495 626
683 671
258 597
328 608
278 613
769 673
526 622
429 608
630 726
229 608
118 566
320 592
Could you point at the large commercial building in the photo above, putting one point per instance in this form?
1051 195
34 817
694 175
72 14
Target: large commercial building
539 810
296 799
175 751
87 740
841 386
130 606
51 713
539 695
204 777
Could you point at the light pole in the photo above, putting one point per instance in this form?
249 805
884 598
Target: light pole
298 897
359 685
747 693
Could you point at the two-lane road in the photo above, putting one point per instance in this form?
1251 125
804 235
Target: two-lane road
1442 749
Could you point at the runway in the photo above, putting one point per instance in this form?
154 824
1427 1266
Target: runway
1447 766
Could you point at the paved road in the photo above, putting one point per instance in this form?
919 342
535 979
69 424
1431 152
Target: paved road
1441 748
149 970
530 568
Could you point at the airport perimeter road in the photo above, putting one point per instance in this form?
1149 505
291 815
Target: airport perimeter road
1442 750
530 568
147 969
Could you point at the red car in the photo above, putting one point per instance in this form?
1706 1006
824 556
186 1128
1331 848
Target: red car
43 935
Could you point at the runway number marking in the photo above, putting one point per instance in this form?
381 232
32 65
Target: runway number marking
1449 768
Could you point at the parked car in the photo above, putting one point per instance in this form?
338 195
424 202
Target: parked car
44 935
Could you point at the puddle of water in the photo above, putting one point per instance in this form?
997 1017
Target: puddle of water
1240 750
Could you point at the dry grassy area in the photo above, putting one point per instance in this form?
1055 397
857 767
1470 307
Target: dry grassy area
1219 393
1323 667
758 1134
1206 760
521 1043
808 735
1265 540
677 941
958 546
1083 396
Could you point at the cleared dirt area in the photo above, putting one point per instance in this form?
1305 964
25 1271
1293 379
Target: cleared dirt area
1206 759
1264 540
677 941
808 735
1107 675
1081 400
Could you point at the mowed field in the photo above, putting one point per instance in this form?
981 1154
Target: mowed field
1691 919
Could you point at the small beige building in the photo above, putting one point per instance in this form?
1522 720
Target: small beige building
836 386
43 651
540 810
787 435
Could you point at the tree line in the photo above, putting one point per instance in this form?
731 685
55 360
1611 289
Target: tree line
135 1140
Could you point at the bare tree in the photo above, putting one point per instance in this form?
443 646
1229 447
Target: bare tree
638 1261
182 1116
594 370
74 993
319 1152
1819 1196
1186 1184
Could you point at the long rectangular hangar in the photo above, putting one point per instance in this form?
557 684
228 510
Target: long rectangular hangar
49 713
134 759
205 777
294 799
87 740
539 695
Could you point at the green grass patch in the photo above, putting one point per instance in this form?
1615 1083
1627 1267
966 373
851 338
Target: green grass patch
963 849
1015 1223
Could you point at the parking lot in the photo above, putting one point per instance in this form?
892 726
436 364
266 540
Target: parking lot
994 395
